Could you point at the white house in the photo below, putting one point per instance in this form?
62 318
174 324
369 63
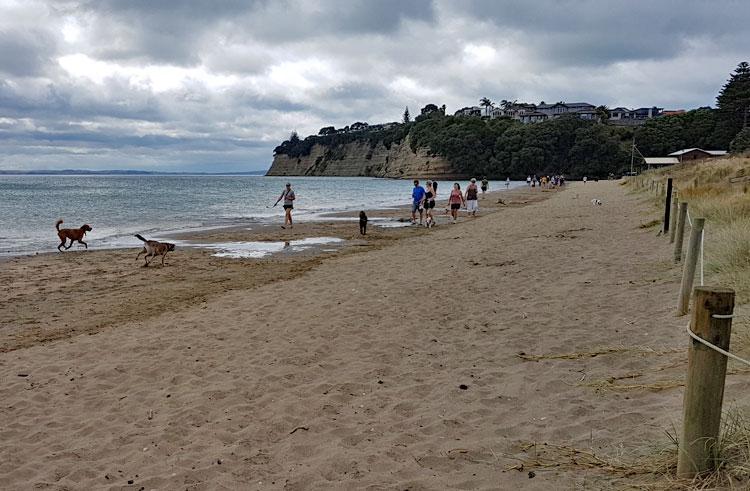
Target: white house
474 112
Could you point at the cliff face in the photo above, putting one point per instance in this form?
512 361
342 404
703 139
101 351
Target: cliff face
359 159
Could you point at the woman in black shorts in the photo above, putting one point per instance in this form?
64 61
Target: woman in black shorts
455 200
288 196
429 204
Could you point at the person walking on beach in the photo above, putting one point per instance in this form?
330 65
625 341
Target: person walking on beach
507 182
288 196
485 185
528 181
417 202
472 203
584 179
455 200
429 204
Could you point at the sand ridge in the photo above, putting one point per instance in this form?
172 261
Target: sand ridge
350 375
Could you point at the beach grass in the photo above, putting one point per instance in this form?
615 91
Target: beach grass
719 191
653 466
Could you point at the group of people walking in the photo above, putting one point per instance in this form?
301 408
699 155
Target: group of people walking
424 198
423 201
546 182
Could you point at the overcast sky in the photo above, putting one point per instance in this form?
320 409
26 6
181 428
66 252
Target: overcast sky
216 85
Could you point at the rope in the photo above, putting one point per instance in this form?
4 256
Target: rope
712 346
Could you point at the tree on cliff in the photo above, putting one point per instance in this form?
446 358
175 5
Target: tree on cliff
294 138
733 104
327 130
428 109
741 142
602 113
697 128
407 116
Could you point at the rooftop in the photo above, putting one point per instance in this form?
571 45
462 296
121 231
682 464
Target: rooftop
661 160
715 153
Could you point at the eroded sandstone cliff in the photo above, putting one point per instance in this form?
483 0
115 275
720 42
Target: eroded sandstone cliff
360 159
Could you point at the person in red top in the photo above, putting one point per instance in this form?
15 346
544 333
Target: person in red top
455 200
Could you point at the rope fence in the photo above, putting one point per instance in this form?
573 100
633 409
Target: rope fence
711 318
713 346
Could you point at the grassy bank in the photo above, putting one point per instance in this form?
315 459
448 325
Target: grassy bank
719 191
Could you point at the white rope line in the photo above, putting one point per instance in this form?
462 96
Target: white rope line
722 316
690 222
714 347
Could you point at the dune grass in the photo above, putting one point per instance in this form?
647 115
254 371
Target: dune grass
708 189
719 191
653 467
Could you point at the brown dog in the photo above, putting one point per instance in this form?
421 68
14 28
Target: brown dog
74 234
154 248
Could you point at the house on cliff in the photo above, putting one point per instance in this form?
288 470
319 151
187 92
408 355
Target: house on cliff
533 117
622 116
469 112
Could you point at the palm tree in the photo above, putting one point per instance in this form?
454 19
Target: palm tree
487 105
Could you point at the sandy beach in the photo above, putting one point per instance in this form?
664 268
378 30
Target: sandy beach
408 359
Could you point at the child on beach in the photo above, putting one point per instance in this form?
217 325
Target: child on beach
455 200
485 185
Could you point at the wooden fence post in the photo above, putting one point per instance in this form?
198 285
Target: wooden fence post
704 389
667 205
688 271
673 218
680 233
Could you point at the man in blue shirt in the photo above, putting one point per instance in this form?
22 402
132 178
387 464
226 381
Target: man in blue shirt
417 202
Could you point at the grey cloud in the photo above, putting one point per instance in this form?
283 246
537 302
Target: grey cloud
596 32
25 53
67 101
178 32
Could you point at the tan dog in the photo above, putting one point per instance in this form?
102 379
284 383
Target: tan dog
154 248
74 234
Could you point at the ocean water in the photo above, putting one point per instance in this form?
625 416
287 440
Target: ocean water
116 207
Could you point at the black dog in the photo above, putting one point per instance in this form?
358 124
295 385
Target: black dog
362 223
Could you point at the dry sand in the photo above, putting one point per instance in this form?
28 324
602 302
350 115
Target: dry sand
391 364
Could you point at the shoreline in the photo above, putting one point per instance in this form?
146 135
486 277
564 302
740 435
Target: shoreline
193 274
198 226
